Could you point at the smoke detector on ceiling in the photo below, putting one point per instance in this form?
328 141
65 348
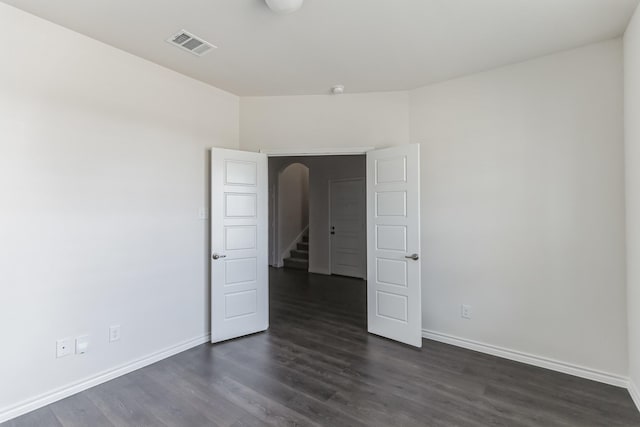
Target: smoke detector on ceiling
187 41
284 6
337 90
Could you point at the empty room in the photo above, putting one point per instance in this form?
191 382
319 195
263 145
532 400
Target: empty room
320 213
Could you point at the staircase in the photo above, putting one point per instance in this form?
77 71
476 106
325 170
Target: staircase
299 257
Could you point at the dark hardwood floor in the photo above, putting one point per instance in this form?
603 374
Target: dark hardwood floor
318 366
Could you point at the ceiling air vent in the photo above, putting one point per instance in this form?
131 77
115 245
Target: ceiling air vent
187 41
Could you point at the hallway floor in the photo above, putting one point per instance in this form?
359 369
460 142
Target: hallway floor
317 365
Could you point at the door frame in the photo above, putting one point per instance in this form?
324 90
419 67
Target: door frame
364 182
304 152
297 152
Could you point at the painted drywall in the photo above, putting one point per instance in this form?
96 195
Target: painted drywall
350 120
632 156
522 196
103 169
523 207
323 121
293 206
322 169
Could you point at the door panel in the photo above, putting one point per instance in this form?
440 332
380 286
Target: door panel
348 233
391 203
240 205
239 269
391 272
393 237
392 306
240 237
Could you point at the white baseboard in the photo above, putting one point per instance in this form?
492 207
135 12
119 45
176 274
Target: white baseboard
635 393
73 388
542 362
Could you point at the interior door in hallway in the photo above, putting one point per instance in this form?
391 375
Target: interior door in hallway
239 259
347 220
394 308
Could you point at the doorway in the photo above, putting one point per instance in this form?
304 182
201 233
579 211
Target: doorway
318 214
242 210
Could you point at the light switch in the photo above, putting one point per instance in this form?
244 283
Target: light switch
202 213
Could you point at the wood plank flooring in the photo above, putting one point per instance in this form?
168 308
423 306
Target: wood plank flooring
317 366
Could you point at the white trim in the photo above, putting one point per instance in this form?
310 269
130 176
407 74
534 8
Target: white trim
635 393
542 362
60 393
336 151
291 246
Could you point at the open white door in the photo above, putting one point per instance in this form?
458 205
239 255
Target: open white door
393 244
239 264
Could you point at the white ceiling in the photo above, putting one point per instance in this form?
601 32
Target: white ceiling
367 45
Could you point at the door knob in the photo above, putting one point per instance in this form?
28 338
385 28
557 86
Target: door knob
216 256
414 257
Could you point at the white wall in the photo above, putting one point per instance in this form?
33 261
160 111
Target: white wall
523 206
350 120
522 196
103 168
293 206
632 154
368 119
322 169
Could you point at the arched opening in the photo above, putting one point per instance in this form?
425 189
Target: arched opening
293 217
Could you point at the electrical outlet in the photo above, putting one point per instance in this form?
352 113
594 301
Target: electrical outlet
82 344
64 347
114 333
465 311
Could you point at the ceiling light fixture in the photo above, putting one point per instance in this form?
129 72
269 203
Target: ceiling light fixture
284 6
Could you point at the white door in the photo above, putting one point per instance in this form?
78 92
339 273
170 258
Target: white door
393 244
239 259
347 227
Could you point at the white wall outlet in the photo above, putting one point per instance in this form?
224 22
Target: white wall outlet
64 347
465 311
82 344
114 333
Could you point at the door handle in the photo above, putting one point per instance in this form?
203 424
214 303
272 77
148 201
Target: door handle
414 257
216 256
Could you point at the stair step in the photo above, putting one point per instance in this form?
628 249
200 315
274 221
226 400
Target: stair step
296 263
305 239
299 254
303 247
